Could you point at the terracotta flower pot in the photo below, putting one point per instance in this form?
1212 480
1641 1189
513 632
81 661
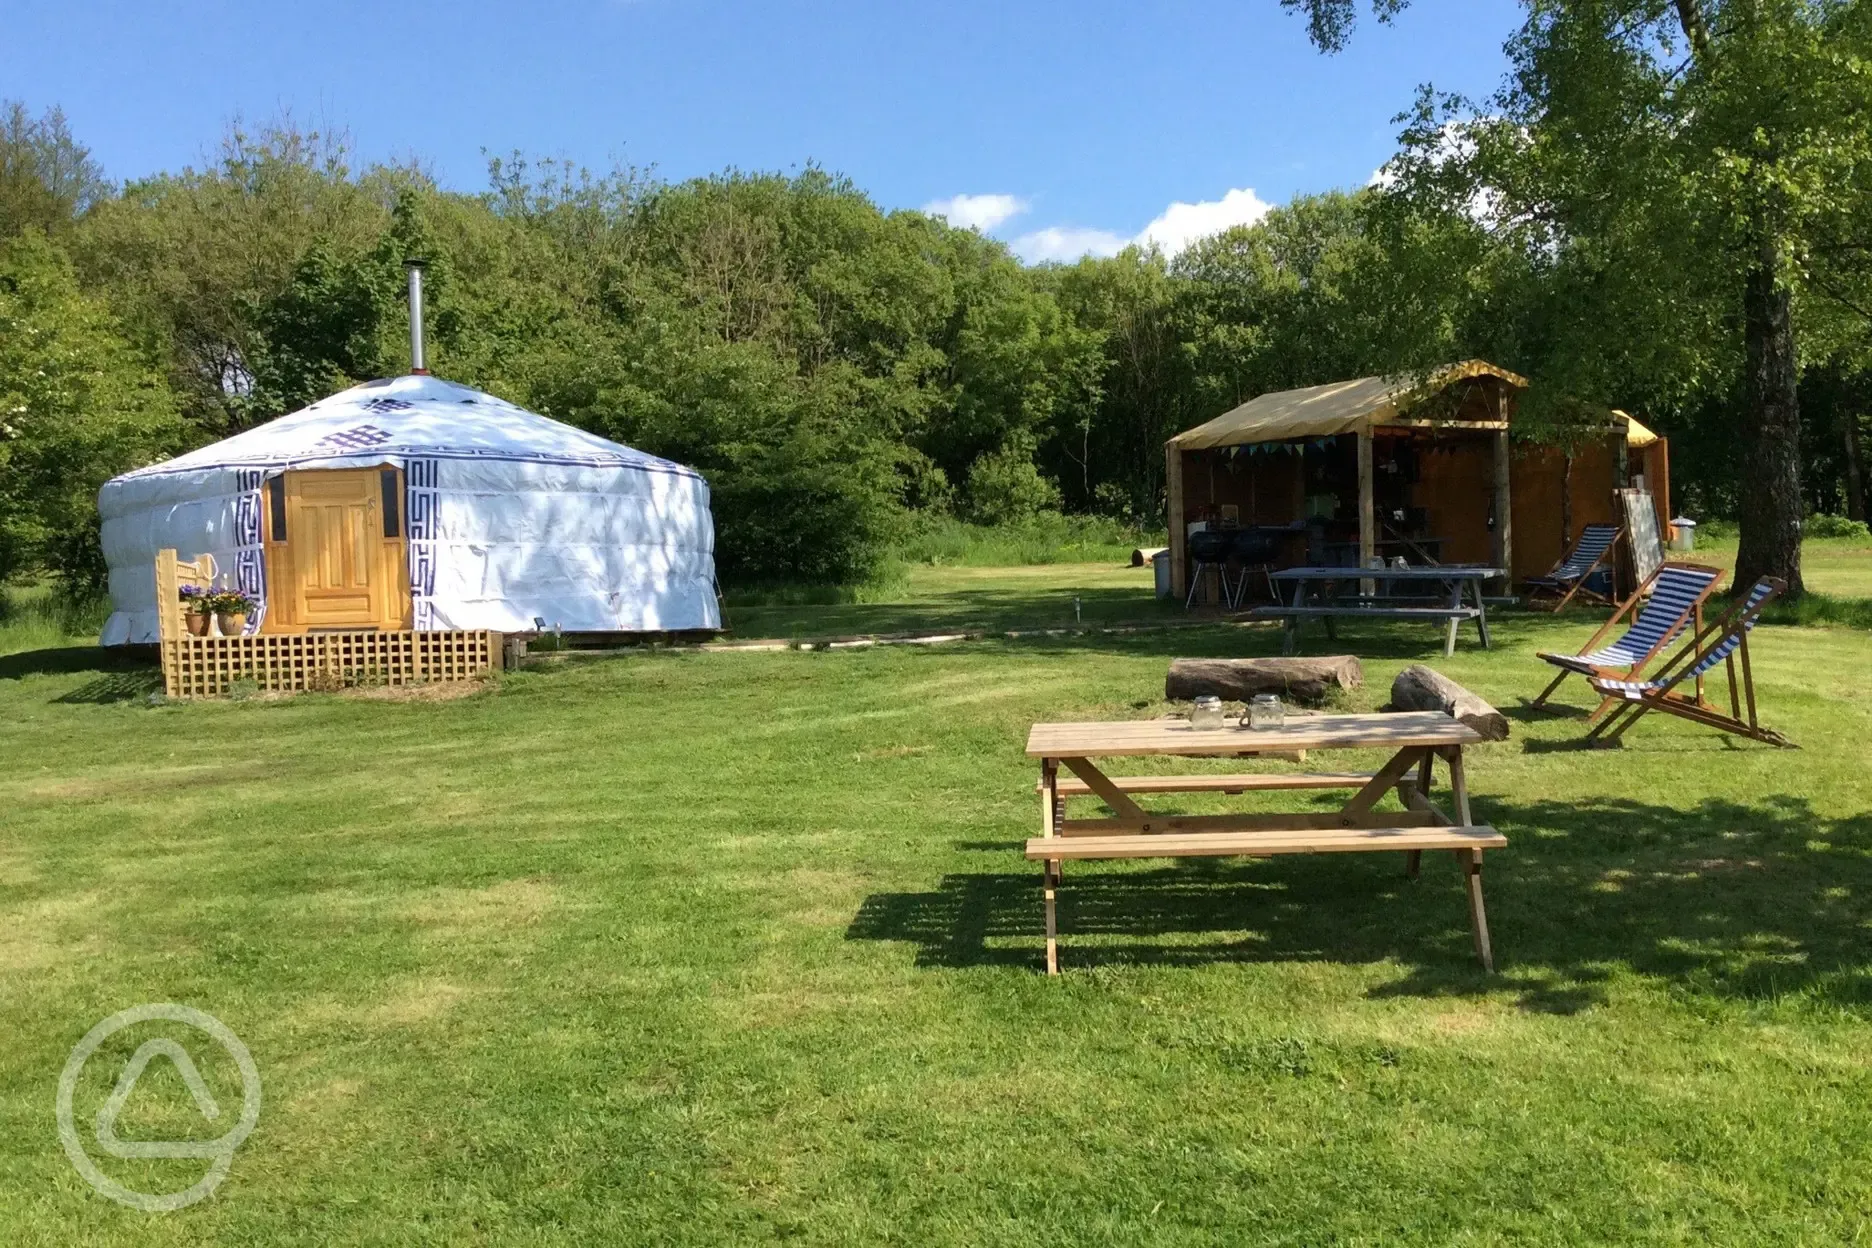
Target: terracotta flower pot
232 625
197 624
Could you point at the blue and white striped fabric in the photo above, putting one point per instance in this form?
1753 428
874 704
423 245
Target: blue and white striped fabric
1593 542
1634 690
1673 594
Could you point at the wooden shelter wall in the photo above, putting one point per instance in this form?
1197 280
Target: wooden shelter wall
1455 484
1266 487
1537 485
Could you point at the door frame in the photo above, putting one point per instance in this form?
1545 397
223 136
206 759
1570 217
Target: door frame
392 556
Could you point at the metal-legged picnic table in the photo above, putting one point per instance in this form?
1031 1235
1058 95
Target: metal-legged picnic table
1416 739
1313 598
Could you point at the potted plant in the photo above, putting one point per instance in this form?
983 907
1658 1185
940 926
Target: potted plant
197 606
231 607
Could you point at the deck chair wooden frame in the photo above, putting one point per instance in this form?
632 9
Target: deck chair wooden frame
1723 641
1564 588
1691 616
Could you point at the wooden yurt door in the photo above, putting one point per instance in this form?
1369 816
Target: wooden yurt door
336 551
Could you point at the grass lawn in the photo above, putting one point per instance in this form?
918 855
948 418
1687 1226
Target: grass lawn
934 598
704 948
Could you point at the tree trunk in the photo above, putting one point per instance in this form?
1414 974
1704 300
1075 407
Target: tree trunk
1566 501
1420 688
1307 681
1771 484
1855 474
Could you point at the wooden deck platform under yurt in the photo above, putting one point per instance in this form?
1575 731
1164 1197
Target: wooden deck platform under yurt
210 666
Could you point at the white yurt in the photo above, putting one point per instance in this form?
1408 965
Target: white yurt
415 503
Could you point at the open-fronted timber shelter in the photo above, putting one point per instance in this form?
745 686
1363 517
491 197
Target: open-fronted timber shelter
1422 468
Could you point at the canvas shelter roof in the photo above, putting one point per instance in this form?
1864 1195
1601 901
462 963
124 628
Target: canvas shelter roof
1324 411
1345 407
1635 433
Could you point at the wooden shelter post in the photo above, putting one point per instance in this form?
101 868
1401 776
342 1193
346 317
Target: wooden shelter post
1177 535
1503 539
1367 512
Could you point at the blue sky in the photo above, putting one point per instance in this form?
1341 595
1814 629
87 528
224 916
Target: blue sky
1068 125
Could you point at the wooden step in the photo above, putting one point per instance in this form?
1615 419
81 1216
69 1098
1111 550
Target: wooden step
1074 787
1258 844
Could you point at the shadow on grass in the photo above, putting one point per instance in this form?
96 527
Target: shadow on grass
114 687
1741 902
62 660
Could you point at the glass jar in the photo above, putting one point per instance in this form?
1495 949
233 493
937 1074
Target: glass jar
1207 713
1265 710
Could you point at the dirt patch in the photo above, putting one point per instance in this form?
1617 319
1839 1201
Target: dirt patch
441 691
417 1002
142 782
511 904
890 751
30 936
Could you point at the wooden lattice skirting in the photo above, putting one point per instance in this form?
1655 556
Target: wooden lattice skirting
196 667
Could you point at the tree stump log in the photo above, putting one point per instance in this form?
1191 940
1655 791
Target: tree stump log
1309 681
1419 688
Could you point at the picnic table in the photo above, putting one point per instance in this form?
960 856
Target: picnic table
1416 740
1328 594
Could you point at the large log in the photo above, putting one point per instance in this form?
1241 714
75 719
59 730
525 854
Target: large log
1419 688
1307 681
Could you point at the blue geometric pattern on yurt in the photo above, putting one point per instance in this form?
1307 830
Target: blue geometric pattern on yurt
356 438
249 557
421 503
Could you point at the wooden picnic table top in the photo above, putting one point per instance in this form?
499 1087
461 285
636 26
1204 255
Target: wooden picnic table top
1445 572
1305 732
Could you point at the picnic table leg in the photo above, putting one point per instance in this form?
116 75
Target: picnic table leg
1413 859
1050 869
1478 917
1459 786
1449 638
1481 618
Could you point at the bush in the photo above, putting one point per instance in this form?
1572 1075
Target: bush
1835 526
1005 488
1041 539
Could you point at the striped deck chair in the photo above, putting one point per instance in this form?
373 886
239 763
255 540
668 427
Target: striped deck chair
1569 576
1661 609
1720 642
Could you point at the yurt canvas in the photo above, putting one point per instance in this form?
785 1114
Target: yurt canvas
414 503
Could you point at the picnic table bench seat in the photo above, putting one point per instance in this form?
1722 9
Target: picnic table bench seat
1264 844
1373 611
1247 783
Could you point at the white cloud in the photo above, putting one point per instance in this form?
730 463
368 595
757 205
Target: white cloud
1066 242
977 212
1181 224
1173 230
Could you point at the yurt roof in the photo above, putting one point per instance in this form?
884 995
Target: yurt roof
414 417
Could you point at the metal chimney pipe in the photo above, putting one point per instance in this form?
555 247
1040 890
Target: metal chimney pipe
415 268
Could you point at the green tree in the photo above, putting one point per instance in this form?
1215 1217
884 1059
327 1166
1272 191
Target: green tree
47 178
1678 178
77 406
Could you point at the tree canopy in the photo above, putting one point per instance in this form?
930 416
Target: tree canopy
839 371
